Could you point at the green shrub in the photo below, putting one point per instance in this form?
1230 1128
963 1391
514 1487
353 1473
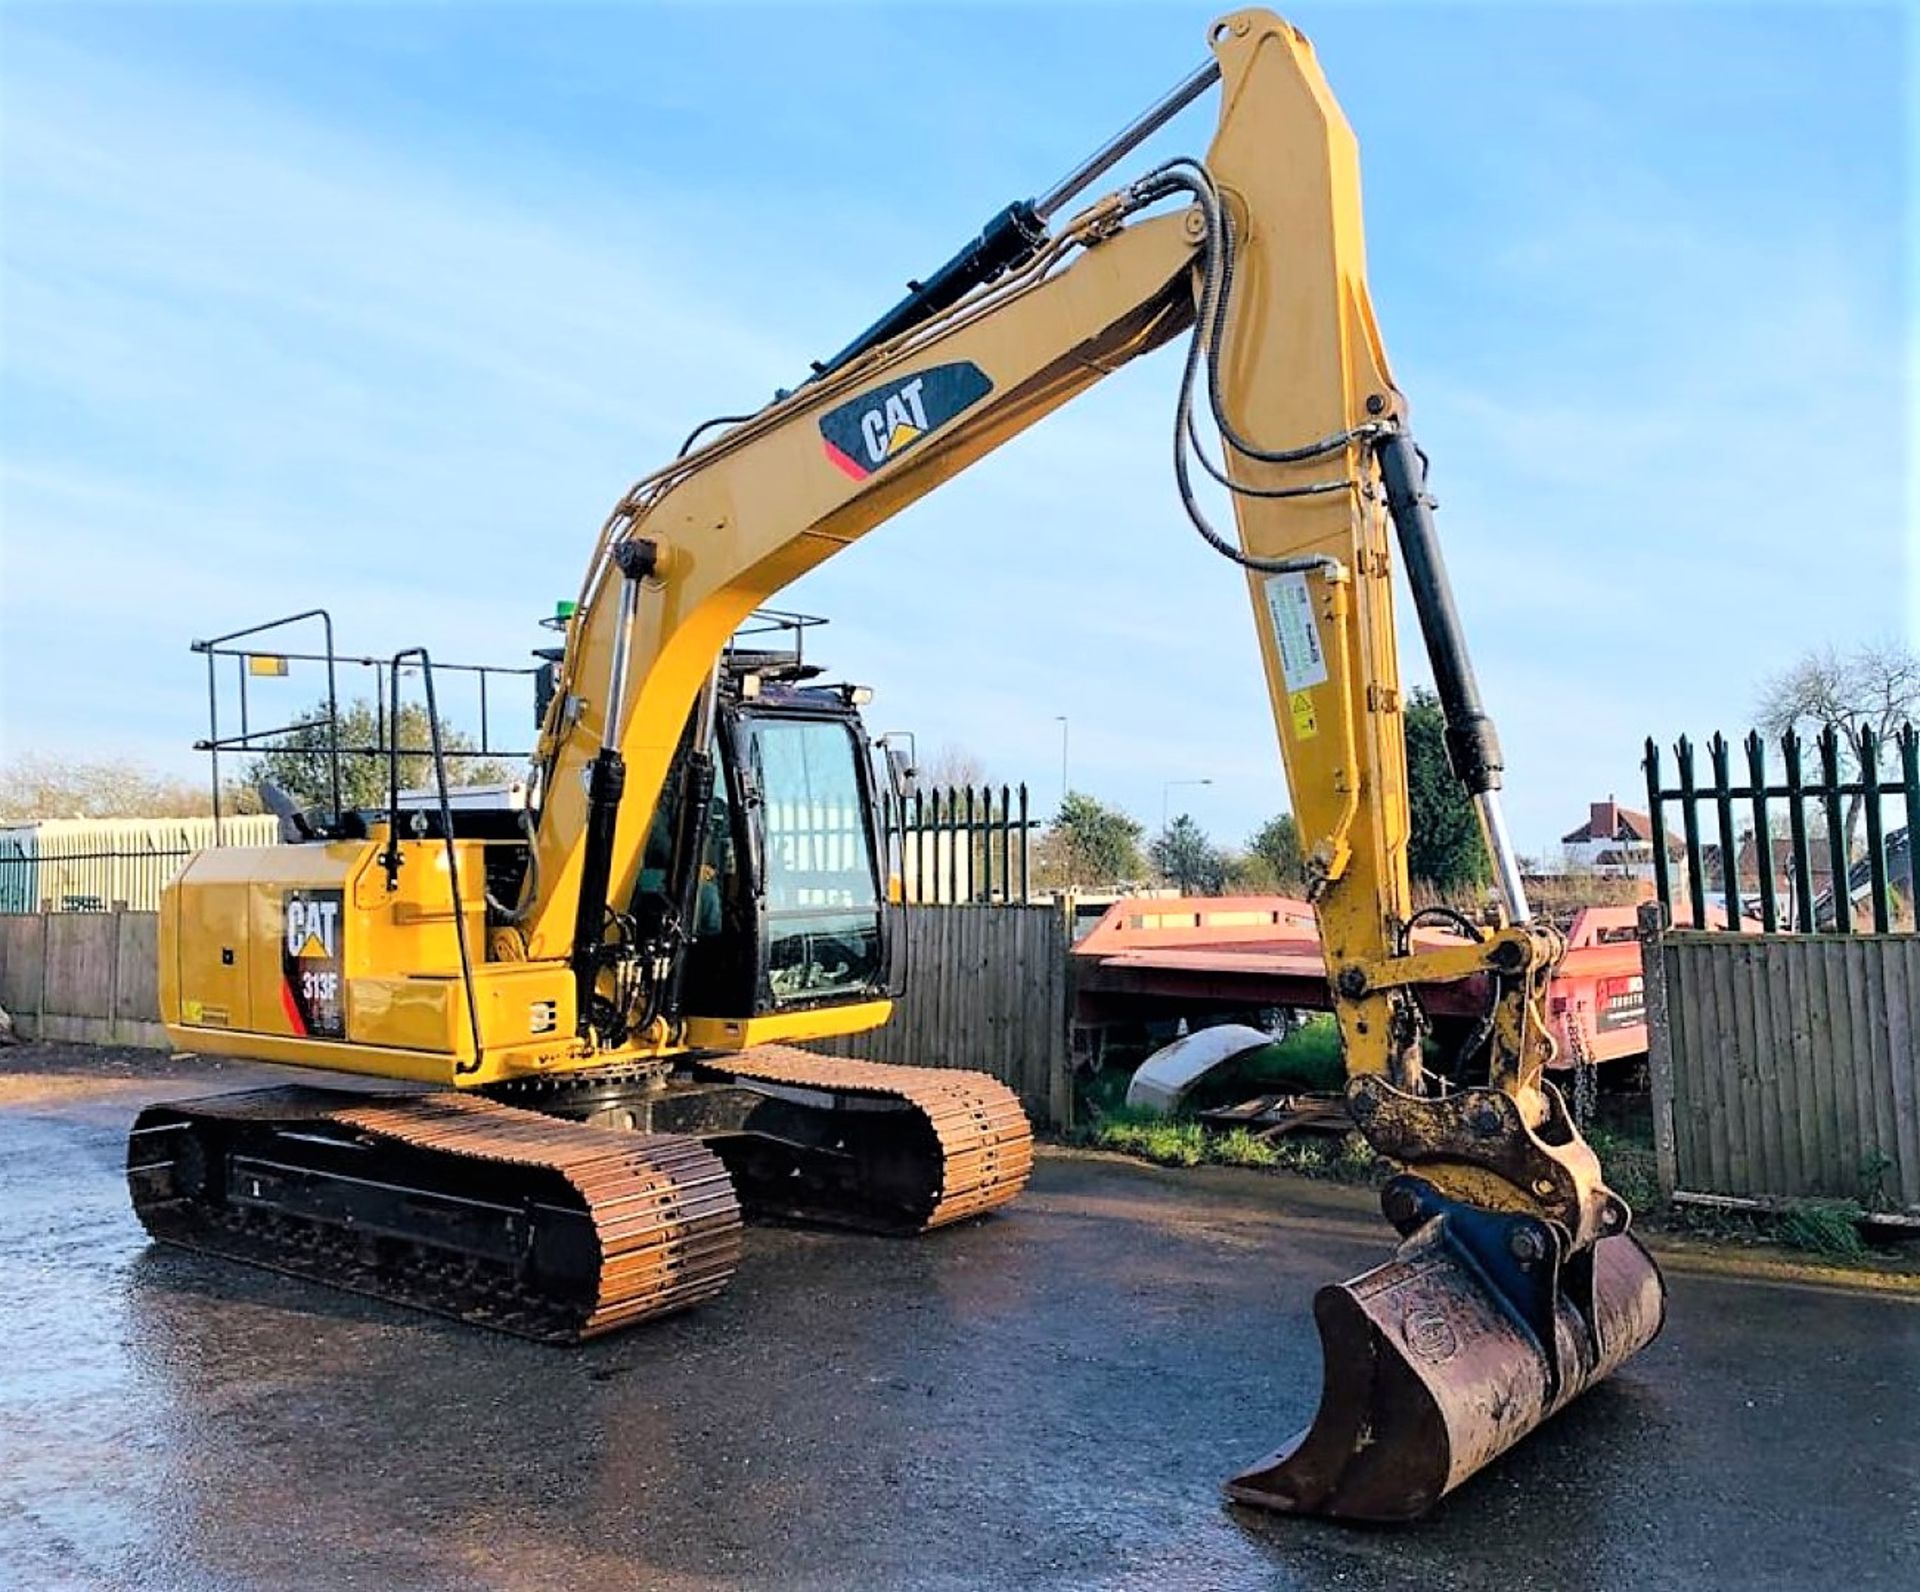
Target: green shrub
1874 1167
1357 1161
1824 1227
1629 1166
1306 1061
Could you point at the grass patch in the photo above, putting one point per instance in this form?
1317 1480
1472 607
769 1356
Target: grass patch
1237 1147
1830 1227
1623 1140
1624 1143
1824 1227
1179 1141
1166 1141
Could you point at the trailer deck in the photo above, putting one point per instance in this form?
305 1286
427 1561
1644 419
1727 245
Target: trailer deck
1202 956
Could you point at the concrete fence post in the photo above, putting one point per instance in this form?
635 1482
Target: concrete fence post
40 998
113 980
1653 978
1060 1020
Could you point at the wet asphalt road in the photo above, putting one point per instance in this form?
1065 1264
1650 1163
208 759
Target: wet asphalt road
1051 1397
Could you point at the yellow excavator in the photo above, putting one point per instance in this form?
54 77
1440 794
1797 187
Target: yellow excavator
698 881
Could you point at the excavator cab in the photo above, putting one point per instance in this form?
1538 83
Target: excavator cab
789 906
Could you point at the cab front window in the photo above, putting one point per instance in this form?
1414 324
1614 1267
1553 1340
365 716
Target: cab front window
822 893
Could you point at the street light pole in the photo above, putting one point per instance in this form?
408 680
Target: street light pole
1166 788
1062 718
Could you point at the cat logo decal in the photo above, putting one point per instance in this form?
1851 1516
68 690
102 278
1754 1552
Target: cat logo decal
877 427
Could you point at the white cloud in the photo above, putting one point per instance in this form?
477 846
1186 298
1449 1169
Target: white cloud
256 360
252 364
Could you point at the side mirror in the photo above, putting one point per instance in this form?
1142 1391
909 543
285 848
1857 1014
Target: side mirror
900 770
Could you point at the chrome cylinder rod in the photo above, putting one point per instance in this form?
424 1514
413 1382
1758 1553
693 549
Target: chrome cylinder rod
1506 865
1013 237
1124 142
708 706
617 673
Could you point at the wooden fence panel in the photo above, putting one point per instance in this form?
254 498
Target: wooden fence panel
1784 1066
987 989
86 977
136 1003
23 960
79 977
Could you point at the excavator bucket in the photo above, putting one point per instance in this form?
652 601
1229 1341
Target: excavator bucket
1440 1360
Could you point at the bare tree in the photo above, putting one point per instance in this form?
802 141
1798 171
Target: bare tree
952 767
36 786
1874 689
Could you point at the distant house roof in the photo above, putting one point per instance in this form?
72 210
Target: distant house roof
1608 820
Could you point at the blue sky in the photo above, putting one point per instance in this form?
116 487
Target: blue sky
380 307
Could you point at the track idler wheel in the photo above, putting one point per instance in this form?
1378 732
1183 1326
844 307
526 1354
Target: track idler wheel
1480 1327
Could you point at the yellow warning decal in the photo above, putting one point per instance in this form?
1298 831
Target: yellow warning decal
1306 724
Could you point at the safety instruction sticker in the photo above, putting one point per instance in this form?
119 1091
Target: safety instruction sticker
1290 607
1305 723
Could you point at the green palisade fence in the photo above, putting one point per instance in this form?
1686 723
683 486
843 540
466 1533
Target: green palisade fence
1735 803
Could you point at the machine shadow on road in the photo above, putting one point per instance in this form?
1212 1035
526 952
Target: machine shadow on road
1470 1537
